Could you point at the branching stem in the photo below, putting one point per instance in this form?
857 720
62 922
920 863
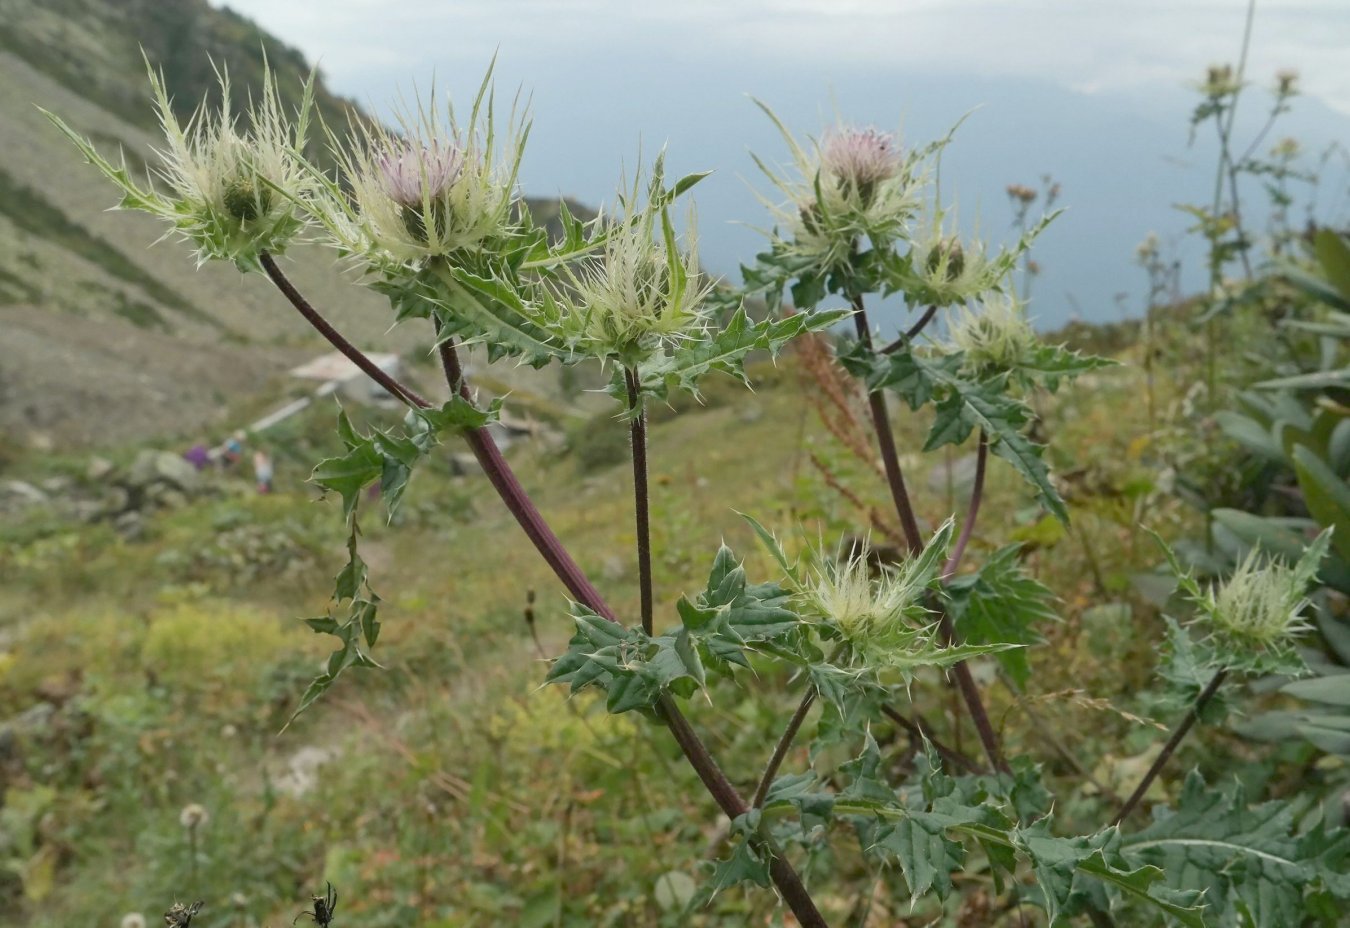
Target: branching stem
1192 715
903 507
913 331
503 480
890 458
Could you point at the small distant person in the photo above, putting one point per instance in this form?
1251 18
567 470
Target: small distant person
234 450
262 470
198 455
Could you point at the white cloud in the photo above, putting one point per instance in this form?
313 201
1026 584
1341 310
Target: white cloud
1086 44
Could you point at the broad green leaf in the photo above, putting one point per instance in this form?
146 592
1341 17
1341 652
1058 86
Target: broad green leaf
1253 863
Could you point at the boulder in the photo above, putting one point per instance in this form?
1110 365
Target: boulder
166 467
22 492
99 469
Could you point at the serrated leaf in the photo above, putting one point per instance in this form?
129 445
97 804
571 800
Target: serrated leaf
725 350
1253 864
772 545
962 405
1000 603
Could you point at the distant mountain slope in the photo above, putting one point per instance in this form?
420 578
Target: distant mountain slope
104 339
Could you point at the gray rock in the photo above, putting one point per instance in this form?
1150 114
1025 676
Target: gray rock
22 492
130 525
172 499
57 485
166 467
115 500
99 469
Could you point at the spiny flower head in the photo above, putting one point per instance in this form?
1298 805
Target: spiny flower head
431 190
411 172
854 184
879 612
997 337
860 159
1261 604
946 272
232 193
641 289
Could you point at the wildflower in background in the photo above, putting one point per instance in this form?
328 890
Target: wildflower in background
1286 82
1286 149
193 816
1022 194
641 290
233 194
855 184
133 920
1147 250
996 338
1220 82
431 190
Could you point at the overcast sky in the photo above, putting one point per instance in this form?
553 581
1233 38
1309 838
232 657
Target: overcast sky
1096 93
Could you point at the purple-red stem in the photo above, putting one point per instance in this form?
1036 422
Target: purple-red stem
913 332
972 511
780 750
641 495
372 370
890 458
504 481
904 508
921 729
1191 717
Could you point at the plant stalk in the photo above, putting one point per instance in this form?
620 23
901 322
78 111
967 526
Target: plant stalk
1186 723
912 332
921 730
499 473
641 494
891 459
372 370
972 511
780 750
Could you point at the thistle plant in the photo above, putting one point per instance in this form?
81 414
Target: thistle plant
232 194
433 216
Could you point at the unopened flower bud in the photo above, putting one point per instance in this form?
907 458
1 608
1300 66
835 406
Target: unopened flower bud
947 259
1286 82
997 338
246 199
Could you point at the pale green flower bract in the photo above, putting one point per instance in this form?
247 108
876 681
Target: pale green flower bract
232 194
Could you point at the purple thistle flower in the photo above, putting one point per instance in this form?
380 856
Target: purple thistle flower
413 171
860 157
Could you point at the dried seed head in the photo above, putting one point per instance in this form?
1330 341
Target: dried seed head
193 816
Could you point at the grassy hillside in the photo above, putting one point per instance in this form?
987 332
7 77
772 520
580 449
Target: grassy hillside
107 339
449 789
